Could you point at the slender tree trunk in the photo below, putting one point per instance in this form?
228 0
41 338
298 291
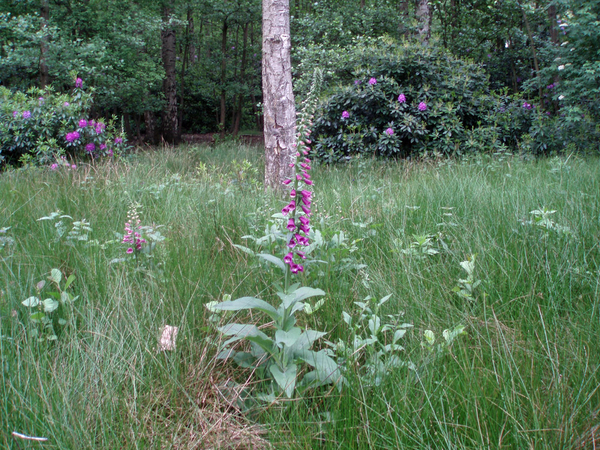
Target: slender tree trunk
424 18
223 74
170 124
150 130
45 14
533 51
184 63
238 117
278 98
553 27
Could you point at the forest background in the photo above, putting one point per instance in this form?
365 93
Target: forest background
196 65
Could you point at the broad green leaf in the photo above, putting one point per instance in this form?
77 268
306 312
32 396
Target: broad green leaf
327 370
286 380
50 305
384 299
62 322
306 339
347 318
399 334
247 303
429 337
245 249
69 281
37 316
273 260
56 275
374 325
64 297
288 338
306 292
31 302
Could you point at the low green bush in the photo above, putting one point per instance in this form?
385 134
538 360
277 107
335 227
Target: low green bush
42 126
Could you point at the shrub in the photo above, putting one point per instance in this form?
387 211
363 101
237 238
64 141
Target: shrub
40 126
401 100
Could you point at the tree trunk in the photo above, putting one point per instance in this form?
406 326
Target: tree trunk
45 14
238 117
149 121
424 18
278 98
223 75
170 82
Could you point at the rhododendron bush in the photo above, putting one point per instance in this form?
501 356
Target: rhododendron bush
44 127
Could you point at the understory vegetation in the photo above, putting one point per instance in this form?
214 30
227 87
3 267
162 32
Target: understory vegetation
460 303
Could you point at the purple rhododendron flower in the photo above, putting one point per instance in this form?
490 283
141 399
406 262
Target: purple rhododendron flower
54 166
90 147
527 105
73 136
422 106
78 82
102 146
82 123
66 103
345 115
26 114
15 114
118 140
389 132
372 81
402 98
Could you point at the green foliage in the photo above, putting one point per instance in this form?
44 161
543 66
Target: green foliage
52 312
373 345
279 356
423 101
34 128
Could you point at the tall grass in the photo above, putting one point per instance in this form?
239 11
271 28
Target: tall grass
525 376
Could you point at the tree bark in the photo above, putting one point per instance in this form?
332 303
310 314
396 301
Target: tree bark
278 98
424 18
45 14
170 122
223 75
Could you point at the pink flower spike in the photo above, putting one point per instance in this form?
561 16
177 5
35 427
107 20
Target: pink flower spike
309 182
288 258
306 210
286 182
293 193
291 164
298 177
291 224
304 152
130 250
285 211
292 243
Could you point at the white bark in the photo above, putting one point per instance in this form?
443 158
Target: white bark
424 18
279 110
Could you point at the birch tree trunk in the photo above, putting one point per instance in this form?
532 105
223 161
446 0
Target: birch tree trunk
170 81
424 17
279 110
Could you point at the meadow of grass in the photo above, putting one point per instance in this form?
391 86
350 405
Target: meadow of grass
525 376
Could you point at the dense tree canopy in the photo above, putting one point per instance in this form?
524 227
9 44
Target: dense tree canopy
193 66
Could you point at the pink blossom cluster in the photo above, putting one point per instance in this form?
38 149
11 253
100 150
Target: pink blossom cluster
133 238
72 136
299 206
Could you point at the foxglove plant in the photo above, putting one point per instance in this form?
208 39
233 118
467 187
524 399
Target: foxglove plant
278 357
